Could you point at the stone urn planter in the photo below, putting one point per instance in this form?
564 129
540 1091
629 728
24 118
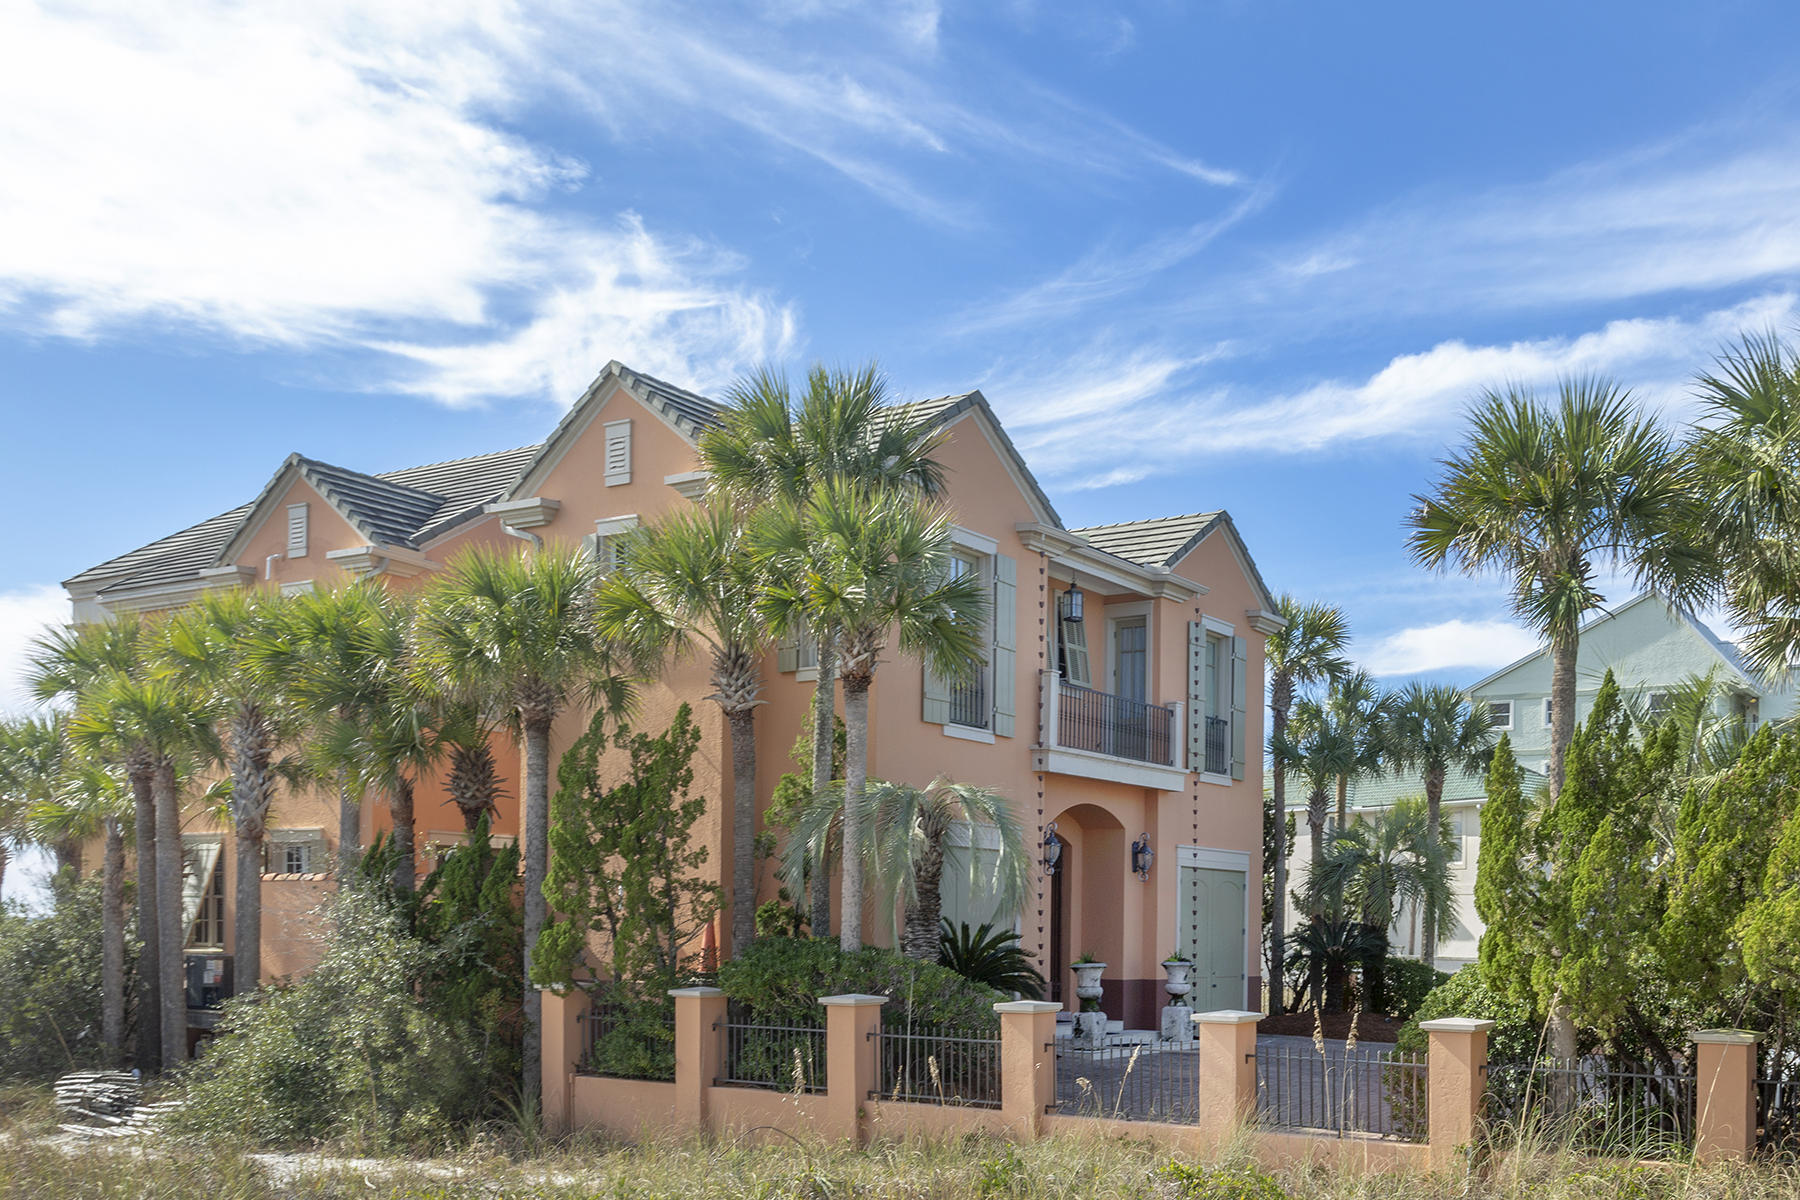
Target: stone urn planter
1087 981
1179 979
1090 1022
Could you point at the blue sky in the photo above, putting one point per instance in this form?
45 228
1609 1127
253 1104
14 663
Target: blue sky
1255 256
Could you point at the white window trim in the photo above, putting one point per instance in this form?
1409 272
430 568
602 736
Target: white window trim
966 733
983 549
1125 612
1217 780
1511 711
1214 625
297 587
1546 710
613 526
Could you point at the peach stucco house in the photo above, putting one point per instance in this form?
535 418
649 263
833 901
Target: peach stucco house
1139 722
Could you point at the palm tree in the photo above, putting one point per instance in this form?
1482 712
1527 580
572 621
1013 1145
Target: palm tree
210 648
1549 493
1321 746
691 578
1383 864
93 800
1358 705
1435 729
166 728
517 634
473 782
1747 447
770 447
1307 650
905 836
33 769
321 651
78 666
866 564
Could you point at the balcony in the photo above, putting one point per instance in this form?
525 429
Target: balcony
1100 735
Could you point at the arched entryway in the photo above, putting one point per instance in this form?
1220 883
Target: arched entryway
1087 899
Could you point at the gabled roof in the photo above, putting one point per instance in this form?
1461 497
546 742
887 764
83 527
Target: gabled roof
1727 652
1165 541
404 508
943 410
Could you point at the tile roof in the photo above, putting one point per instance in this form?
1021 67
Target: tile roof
691 407
173 557
1154 543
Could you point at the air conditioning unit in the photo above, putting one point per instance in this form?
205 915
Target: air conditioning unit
208 980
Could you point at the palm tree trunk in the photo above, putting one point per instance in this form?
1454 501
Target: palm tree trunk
349 826
824 746
406 863
1563 649
149 972
919 939
170 936
856 777
537 864
68 858
1275 985
112 944
1343 802
1434 803
1315 823
742 723
3 860
246 919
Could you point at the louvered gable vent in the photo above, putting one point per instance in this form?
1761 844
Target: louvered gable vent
618 452
296 542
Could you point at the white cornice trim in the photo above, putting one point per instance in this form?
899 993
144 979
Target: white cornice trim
528 513
383 560
150 597
1265 622
1086 764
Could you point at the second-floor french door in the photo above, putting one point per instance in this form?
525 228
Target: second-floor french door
1131 685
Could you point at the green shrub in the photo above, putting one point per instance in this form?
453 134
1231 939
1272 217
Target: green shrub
357 1048
1465 994
780 981
50 981
1242 1182
1409 981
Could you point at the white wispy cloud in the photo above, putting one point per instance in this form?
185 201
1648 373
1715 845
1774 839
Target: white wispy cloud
25 613
1119 413
1447 644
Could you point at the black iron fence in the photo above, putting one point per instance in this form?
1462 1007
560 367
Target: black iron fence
1778 1116
1115 725
781 1058
939 1067
1218 739
1369 1090
1151 1081
629 1040
1593 1105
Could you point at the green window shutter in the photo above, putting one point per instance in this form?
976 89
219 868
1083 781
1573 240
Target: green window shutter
936 708
787 656
1196 696
1006 639
1240 658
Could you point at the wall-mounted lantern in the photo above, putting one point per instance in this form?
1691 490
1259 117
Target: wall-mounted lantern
1053 849
1072 604
1142 856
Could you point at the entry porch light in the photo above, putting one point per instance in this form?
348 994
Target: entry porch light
1142 856
1052 849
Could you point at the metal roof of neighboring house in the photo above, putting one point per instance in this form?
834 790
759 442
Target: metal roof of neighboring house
1384 791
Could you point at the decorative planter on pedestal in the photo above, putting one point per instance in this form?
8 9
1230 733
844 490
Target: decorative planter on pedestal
1090 1022
1177 1018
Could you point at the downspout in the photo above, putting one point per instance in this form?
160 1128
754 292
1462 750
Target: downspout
269 566
525 535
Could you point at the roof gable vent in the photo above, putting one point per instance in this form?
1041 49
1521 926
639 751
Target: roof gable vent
296 540
618 452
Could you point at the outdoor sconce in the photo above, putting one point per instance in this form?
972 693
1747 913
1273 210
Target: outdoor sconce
1072 604
1142 856
1052 849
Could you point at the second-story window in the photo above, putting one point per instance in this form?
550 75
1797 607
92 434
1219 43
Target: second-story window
1500 713
1547 712
1072 650
969 700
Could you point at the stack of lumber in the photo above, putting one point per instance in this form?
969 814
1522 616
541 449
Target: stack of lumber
105 1104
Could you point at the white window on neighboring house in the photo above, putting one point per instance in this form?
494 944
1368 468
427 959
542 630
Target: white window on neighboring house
1546 712
297 531
1500 713
618 452
1657 706
294 851
1454 824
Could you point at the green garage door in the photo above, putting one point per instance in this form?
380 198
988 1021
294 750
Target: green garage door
1212 934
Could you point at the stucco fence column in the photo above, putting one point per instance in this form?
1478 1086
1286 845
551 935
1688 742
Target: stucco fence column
1227 1069
851 1022
1724 1094
1456 1079
1027 1063
699 1012
558 1052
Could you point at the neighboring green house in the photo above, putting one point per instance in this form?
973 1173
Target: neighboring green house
1651 649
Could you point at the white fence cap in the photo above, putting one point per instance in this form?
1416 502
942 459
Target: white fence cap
1027 1006
1228 1016
1457 1025
852 1000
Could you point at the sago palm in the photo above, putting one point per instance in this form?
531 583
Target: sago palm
1306 651
1435 729
691 580
516 634
1550 493
65 663
208 648
770 445
874 567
